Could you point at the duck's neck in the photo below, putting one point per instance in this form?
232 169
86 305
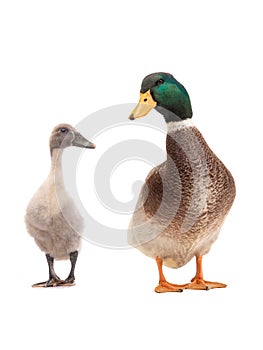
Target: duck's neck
180 139
174 126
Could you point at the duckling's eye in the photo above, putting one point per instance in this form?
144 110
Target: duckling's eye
159 82
63 130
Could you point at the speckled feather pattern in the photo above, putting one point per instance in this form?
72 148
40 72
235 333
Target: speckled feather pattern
183 202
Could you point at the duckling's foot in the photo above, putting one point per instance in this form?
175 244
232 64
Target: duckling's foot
68 282
165 286
52 282
201 284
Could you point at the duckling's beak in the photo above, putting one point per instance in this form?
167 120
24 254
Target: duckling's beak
81 141
146 103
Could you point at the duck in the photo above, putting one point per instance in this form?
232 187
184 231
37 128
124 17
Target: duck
184 201
52 218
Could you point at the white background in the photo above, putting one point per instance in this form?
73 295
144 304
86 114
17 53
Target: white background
62 60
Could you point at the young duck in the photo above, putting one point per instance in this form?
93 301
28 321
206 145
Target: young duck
51 216
184 200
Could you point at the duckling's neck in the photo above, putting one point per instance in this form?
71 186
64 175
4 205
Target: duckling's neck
56 165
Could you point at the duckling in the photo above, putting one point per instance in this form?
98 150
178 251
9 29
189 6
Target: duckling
184 200
52 218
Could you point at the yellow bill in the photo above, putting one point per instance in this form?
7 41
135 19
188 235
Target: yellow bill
146 103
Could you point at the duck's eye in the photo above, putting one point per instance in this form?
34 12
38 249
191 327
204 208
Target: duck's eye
63 130
159 82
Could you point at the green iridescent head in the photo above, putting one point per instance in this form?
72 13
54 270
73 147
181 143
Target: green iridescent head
164 93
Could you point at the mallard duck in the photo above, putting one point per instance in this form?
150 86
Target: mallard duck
51 216
184 200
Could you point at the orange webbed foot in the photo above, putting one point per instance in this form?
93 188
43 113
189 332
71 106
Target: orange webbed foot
164 287
198 282
201 284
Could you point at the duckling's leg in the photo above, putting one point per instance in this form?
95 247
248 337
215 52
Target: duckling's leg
163 285
198 281
54 280
69 281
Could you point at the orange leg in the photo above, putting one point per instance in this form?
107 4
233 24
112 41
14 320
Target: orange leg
198 281
163 285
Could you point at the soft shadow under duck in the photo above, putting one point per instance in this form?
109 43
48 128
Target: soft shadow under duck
52 217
